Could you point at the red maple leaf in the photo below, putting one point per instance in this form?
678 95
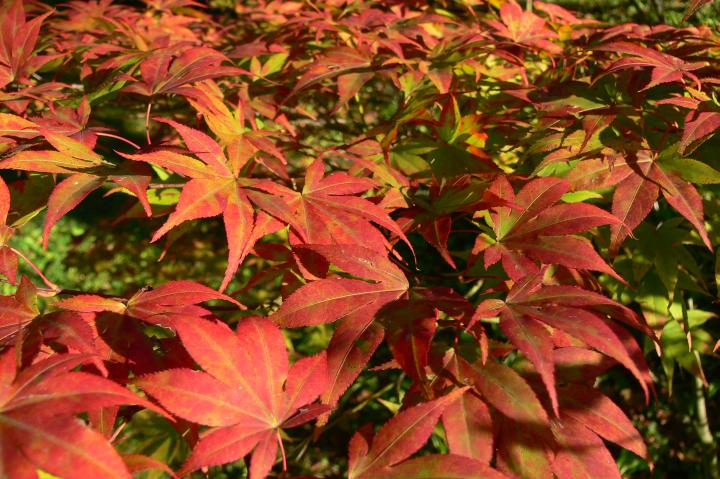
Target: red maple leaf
38 427
538 230
530 308
639 179
247 393
18 37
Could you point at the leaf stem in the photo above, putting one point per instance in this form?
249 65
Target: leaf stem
49 283
282 451
159 186
118 137
147 122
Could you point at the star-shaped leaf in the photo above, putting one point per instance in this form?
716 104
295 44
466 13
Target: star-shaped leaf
247 392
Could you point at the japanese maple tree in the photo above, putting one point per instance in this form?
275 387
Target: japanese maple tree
429 231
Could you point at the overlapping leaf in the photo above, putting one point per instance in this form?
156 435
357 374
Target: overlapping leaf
664 68
329 299
639 182
37 416
247 392
399 438
531 308
18 38
538 230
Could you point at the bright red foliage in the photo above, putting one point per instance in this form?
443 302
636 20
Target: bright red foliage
252 116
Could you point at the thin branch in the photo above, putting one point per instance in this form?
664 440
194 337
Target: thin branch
117 137
159 186
75 292
702 426
147 122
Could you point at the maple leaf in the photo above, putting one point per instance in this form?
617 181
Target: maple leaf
437 232
138 462
17 311
435 221
468 427
16 126
351 66
69 155
241 143
447 466
66 196
397 439
8 262
91 303
640 179
172 297
70 121
410 326
355 303
664 68
467 421
212 190
168 71
582 453
538 229
329 299
505 390
8 258
698 126
135 178
37 418
524 27
597 412
326 211
156 306
514 456
17 44
531 307
438 148
247 393
65 328
512 395
353 343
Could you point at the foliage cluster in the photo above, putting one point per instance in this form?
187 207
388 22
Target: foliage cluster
467 225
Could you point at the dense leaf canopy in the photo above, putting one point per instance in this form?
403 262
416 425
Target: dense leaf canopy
478 229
